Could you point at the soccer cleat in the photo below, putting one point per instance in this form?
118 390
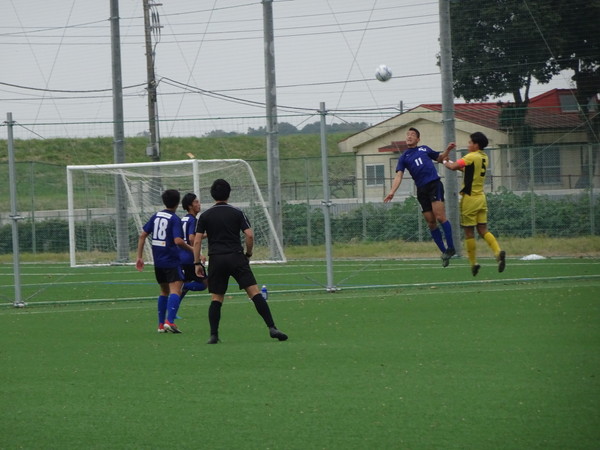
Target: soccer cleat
161 328
501 261
475 269
276 334
446 256
172 328
214 339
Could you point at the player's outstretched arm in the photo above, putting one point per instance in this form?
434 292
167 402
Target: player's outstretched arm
453 165
395 185
444 155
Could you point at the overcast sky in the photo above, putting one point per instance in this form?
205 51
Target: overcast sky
56 63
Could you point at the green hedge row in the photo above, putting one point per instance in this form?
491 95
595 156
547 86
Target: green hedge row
509 215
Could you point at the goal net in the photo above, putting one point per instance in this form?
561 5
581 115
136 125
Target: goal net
108 205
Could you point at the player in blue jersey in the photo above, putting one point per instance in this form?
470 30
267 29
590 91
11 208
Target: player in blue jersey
192 282
223 225
166 233
418 160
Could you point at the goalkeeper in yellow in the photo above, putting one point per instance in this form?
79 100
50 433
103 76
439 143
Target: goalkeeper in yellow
473 203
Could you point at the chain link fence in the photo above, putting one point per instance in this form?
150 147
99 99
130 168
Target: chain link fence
533 203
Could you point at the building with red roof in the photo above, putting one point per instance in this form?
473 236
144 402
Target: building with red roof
559 153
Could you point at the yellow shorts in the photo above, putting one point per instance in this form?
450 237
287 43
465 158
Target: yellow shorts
473 210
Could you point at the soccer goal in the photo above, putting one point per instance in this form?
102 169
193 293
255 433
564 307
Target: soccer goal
108 205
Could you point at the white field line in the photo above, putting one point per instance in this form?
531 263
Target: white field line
342 294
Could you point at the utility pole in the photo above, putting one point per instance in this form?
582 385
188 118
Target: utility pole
14 215
274 179
153 149
326 199
119 134
448 119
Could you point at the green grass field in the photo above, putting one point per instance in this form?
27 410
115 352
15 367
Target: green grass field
404 355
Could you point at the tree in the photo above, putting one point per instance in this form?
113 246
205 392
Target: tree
498 49
578 48
220 133
579 51
315 127
285 128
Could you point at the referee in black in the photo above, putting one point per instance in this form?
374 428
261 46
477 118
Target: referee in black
222 224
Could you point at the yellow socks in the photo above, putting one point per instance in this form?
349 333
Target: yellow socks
471 246
492 242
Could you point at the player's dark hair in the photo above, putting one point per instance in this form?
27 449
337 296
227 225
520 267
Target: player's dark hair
171 198
416 131
187 200
220 190
480 139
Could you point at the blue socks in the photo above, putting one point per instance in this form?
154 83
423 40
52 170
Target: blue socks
162 308
194 286
437 238
448 233
172 307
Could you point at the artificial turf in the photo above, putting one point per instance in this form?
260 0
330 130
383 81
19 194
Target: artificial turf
405 355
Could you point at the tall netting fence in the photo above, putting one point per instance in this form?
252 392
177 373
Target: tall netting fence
541 198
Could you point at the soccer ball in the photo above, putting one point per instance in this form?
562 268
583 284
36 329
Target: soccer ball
383 73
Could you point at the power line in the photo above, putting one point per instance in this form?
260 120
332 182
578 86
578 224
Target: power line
246 102
41 30
67 91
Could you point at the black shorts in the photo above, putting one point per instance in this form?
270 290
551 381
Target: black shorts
221 267
431 192
169 275
189 273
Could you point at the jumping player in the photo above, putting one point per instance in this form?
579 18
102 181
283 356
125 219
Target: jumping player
473 202
418 159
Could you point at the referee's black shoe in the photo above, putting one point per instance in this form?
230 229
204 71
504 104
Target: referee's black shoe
214 339
276 334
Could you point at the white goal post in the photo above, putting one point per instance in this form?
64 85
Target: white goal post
109 203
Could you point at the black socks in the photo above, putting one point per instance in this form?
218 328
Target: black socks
263 309
214 316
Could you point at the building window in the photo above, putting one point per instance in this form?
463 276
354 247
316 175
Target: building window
375 175
568 103
546 165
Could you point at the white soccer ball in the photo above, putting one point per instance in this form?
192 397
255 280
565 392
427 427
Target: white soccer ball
383 73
